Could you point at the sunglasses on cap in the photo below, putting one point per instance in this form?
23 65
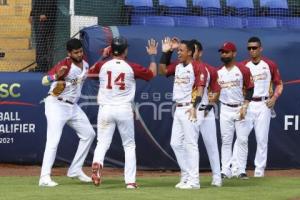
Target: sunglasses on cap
252 48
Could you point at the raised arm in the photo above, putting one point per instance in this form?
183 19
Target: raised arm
47 79
166 45
152 51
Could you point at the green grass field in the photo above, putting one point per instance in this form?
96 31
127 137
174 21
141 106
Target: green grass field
154 188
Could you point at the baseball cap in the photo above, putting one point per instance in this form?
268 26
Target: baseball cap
228 46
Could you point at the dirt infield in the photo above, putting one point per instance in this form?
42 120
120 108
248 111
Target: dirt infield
29 170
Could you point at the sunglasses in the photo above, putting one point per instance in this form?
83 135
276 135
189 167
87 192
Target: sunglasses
252 48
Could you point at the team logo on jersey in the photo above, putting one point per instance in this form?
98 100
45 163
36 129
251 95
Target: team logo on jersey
229 84
182 80
237 74
74 81
262 76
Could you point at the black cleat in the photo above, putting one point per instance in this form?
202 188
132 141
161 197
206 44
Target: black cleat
223 176
243 176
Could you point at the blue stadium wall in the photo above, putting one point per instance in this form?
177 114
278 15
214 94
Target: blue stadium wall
23 123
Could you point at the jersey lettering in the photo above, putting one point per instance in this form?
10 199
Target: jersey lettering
118 81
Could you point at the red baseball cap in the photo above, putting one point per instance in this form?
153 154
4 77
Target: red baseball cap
228 46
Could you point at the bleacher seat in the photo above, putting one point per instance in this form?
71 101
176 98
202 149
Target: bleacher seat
138 20
242 7
195 21
159 21
208 7
276 7
175 7
261 22
291 22
227 22
140 7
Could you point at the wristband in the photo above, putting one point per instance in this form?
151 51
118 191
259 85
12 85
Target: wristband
152 58
165 58
51 78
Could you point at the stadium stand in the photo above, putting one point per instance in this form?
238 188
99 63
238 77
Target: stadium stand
290 23
140 7
261 22
153 20
196 21
241 7
174 7
227 22
275 7
16 37
208 7
15 32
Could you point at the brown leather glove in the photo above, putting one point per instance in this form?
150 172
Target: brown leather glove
59 88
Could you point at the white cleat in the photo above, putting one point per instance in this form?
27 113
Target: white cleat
131 186
259 174
217 182
190 186
181 183
47 182
82 177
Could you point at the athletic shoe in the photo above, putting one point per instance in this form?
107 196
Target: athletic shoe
190 186
82 177
47 182
234 172
243 176
217 182
181 183
224 176
131 186
259 174
96 173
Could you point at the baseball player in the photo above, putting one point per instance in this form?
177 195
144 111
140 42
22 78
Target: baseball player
233 78
265 74
66 80
207 125
116 94
189 83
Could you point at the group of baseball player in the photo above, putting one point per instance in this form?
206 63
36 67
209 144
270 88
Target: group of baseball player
247 92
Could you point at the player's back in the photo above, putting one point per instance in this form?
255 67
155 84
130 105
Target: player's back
117 83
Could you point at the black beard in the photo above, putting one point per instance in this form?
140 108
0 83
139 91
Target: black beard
226 60
76 61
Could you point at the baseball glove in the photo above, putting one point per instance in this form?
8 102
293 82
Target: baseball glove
59 88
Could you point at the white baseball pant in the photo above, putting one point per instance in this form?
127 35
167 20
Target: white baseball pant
110 116
259 119
58 113
229 124
207 127
184 142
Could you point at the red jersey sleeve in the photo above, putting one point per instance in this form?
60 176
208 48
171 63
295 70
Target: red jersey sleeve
200 74
213 83
276 78
247 77
141 72
95 70
171 68
65 62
